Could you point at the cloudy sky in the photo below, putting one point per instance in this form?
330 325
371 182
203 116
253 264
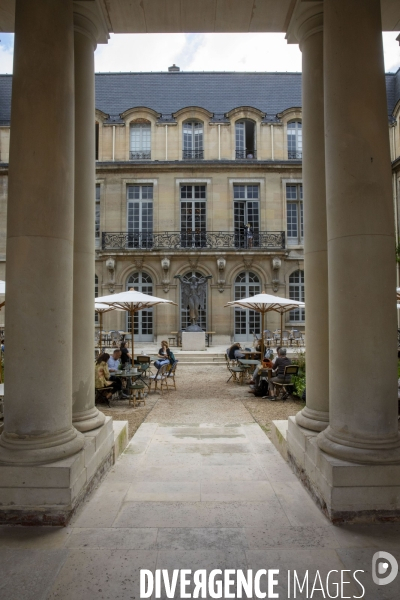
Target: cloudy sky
200 52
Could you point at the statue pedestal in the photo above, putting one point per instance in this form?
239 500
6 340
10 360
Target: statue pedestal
193 340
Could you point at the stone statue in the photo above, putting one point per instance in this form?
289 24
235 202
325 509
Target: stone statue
194 290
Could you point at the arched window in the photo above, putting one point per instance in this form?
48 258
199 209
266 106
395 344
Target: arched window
185 315
245 142
247 321
193 140
295 140
140 140
296 292
143 319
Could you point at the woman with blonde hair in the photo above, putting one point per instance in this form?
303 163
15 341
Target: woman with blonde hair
164 355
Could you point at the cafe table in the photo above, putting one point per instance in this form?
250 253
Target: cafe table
248 363
131 375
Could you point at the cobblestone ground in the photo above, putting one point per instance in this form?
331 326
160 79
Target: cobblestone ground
203 396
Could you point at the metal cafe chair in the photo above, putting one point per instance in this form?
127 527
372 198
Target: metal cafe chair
281 388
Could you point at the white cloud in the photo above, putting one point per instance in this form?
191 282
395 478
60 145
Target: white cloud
243 52
139 52
200 52
391 49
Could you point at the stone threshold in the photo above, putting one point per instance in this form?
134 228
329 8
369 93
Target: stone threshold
345 492
50 494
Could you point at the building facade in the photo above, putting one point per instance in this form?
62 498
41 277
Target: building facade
185 161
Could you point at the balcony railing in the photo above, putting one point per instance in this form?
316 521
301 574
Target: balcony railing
139 155
294 155
176 240
243 154
193 154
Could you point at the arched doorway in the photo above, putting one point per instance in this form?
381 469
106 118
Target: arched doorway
143 320
185 317
247 322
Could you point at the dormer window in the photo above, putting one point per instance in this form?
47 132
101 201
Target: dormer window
295 140
140 140
245 142
193 140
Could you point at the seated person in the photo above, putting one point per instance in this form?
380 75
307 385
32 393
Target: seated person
113 364
234 352
279 365
164 354
102 375
266 364
125 356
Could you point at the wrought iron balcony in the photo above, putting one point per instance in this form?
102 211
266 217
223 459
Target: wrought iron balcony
177 240
245 154
294 155
140 155
193 154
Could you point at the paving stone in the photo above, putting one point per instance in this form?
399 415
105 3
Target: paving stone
165 491
361 558
187 538
28 574
139 538
98 574
237 491
33 537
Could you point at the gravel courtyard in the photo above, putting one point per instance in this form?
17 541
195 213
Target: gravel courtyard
203 396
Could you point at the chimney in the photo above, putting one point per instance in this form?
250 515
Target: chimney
174 69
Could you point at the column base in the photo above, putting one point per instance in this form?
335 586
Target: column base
316 420
49 494
88 419
345 491
362 451
39 449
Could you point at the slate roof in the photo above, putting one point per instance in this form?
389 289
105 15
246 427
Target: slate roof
218 92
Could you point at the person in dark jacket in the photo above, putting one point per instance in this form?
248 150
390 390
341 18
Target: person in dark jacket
279 365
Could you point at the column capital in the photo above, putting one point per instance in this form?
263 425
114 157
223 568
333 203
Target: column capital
307 20
91 22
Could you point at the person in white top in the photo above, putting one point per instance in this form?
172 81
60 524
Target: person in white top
113 364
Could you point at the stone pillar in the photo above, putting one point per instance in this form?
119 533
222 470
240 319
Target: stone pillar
85 414
362 300
315 415
38 411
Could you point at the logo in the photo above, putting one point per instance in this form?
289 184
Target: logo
384 568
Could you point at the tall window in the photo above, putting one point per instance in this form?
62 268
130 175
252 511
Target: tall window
140 142
296 292
247 321
97 217
185 312
193 140
193 216
294 203
245 141
143 319
295 140
246 210
140 216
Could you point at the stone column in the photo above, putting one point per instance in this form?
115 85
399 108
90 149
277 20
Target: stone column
38 411
362 300
85 414
315 415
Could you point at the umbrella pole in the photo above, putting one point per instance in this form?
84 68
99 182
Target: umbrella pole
262 336
101 329
132 332
281 326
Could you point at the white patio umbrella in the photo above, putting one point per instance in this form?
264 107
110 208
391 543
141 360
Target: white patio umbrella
264 303
132 301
